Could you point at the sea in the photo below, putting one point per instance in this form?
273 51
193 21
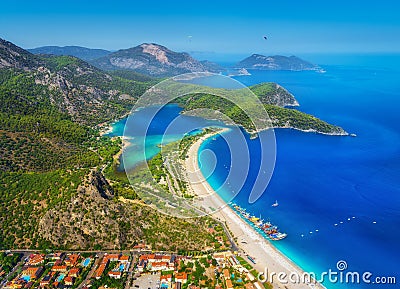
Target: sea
338 196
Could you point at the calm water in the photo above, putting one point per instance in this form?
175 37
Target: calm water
321 180
160 131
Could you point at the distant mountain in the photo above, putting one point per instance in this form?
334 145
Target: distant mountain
154 60
277 62
77 51
86 93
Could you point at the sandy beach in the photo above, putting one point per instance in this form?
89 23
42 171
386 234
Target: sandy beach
249 241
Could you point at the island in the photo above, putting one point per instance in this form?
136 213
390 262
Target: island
276 62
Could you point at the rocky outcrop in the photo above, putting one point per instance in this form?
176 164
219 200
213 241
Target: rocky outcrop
273 93
155 60
94 218
91 218
12 56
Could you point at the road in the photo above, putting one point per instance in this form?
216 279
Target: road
92 270
234 247
130 272
24 255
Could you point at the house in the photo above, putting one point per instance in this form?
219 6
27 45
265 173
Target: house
249 286
229 284
166 258
226 273
159 266
166 278
114 274
59 268
33 272
140 247
102 266
74 272
55 256
211 230
220 257
69 281
150 257
181 277
72 260
35 259
112 257
124 259
100 270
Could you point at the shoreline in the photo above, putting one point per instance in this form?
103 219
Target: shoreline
249 240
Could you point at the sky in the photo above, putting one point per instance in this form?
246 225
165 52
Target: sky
218 26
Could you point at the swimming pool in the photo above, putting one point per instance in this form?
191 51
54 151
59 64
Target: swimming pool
86 262
121 267
26 278
61 277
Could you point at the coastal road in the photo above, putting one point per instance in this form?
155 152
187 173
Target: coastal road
234 247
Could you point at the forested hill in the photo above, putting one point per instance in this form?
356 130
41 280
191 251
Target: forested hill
89 95
52 161
77 51
274 98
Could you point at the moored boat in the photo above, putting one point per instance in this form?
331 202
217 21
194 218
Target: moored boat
268 228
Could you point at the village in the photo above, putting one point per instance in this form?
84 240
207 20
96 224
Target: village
137 269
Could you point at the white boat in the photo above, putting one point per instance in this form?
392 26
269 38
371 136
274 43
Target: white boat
275 204
278 236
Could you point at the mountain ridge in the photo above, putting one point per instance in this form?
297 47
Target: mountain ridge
86 93
154 60
83 53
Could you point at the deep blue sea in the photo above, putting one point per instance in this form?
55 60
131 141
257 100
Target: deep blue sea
320 181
